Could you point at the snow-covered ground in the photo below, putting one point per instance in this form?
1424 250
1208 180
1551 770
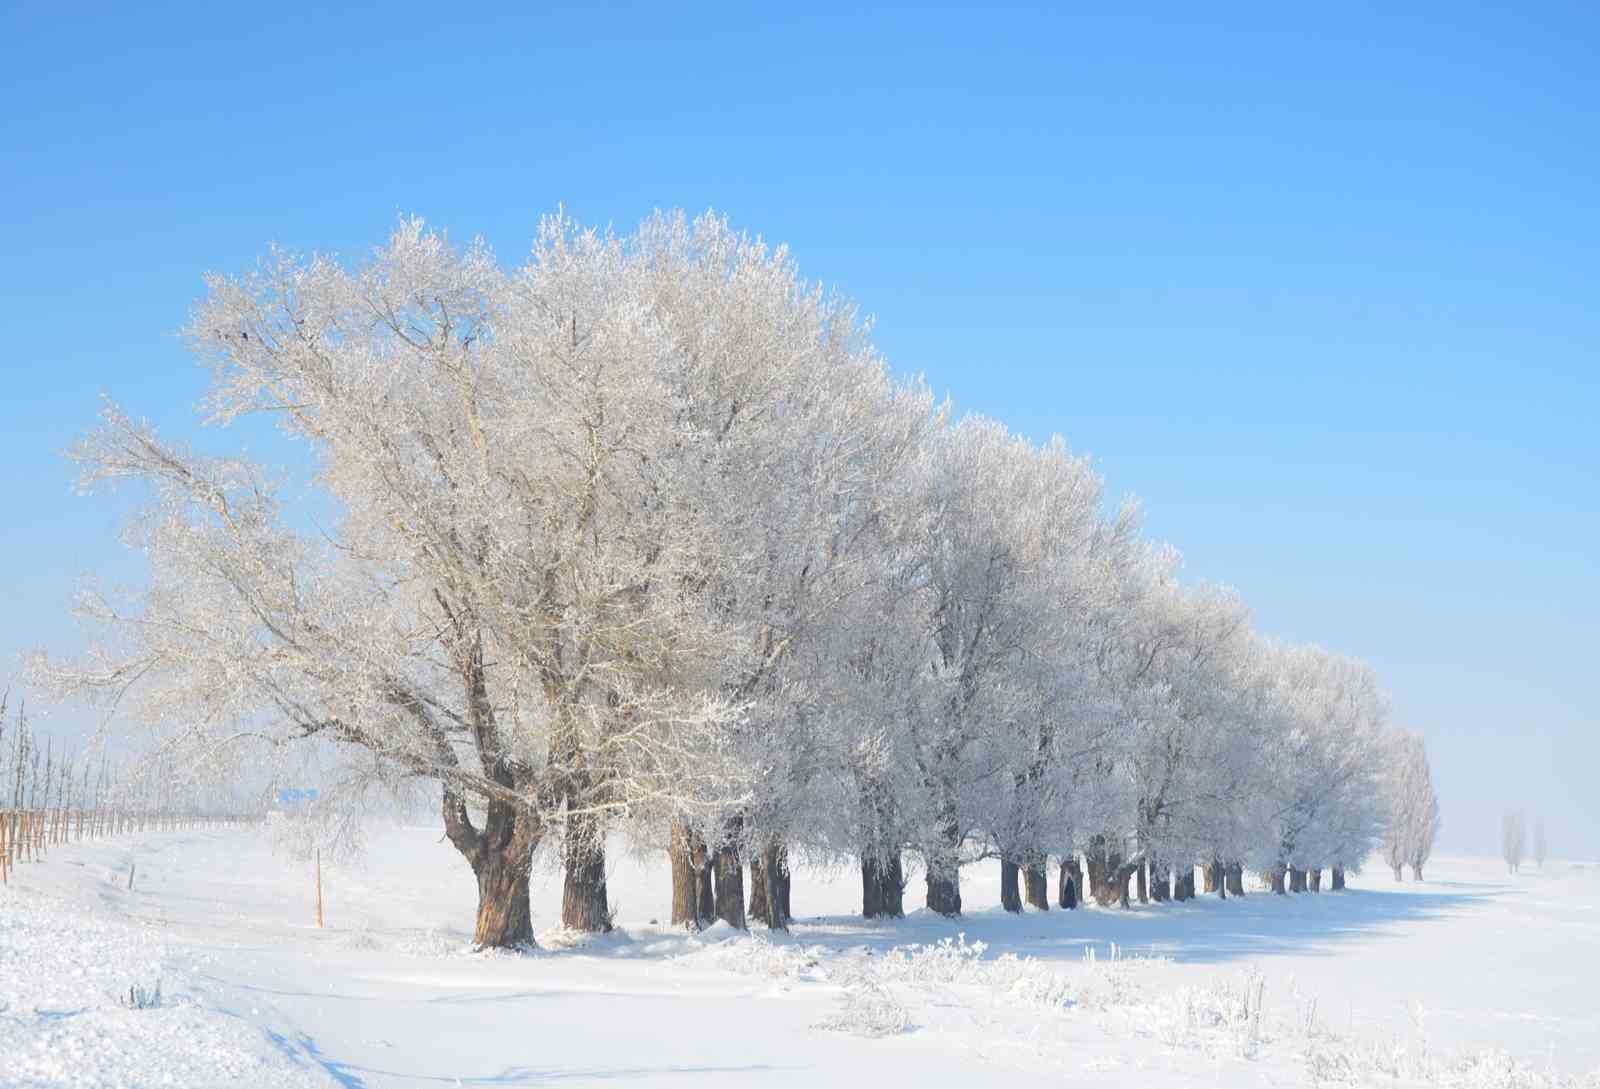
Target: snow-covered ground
1472 978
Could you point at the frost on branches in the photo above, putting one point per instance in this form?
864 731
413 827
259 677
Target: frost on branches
641 537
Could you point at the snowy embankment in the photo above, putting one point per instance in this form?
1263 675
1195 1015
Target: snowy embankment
1470 979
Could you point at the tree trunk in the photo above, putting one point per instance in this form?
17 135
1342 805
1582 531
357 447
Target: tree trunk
1010 894
1071 879
505 919
944 892
1338 878
1142 883
1314 877
871 887
1160 882
769 886
1297 879
894 886
691 879
1217 879
1416 871
1208 877
1399 875
1037 886
730 886
583 896
943 866
501 857
758 890
1234 874
1275 879
1183 883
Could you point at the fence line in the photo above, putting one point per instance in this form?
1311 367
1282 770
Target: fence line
26 835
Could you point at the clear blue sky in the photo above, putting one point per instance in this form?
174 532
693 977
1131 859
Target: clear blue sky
1319 287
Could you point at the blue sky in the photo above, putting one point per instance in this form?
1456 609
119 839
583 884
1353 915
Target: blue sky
1318 286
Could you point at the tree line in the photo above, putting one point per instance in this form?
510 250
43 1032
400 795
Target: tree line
50 797
642 537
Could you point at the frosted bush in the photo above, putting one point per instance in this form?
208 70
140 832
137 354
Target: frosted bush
867 1007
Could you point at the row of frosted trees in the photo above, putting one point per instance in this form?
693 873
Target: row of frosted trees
641 538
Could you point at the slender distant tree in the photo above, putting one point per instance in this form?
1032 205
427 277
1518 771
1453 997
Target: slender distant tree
1539 849
1511 840
1413 820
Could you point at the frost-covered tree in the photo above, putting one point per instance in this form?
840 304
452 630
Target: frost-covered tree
1512 840
1325 797
1539 849
1413 821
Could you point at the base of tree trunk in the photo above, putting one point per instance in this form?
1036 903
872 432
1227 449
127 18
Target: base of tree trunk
1416 872
505 916
1314 879
1208 878
1275 880
730 887
944 893
692 899
1338 878
882 887
1217 879
769 887
1142 884
1071 882
1010 892
583 895
1234 878
1297 879
1160 882
1183 884
1036 887
1399 873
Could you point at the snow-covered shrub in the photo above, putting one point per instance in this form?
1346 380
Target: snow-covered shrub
140 997
867 1007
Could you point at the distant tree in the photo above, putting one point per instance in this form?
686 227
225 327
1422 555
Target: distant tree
1511 840
1538 842
1413 807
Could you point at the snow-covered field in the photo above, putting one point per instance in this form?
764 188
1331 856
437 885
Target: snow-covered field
1472 978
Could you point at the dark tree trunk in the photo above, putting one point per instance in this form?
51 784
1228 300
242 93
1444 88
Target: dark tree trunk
769 886
1037 887
1399 875
1071 882
1275 879
894 886
1183 883
944 892
1416 871
1108 880
871 887
1160 882
583 897
1143 884
943 864
1314 878
730 886
1338 878
1217 879
1297 879
1010 894
1233 878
